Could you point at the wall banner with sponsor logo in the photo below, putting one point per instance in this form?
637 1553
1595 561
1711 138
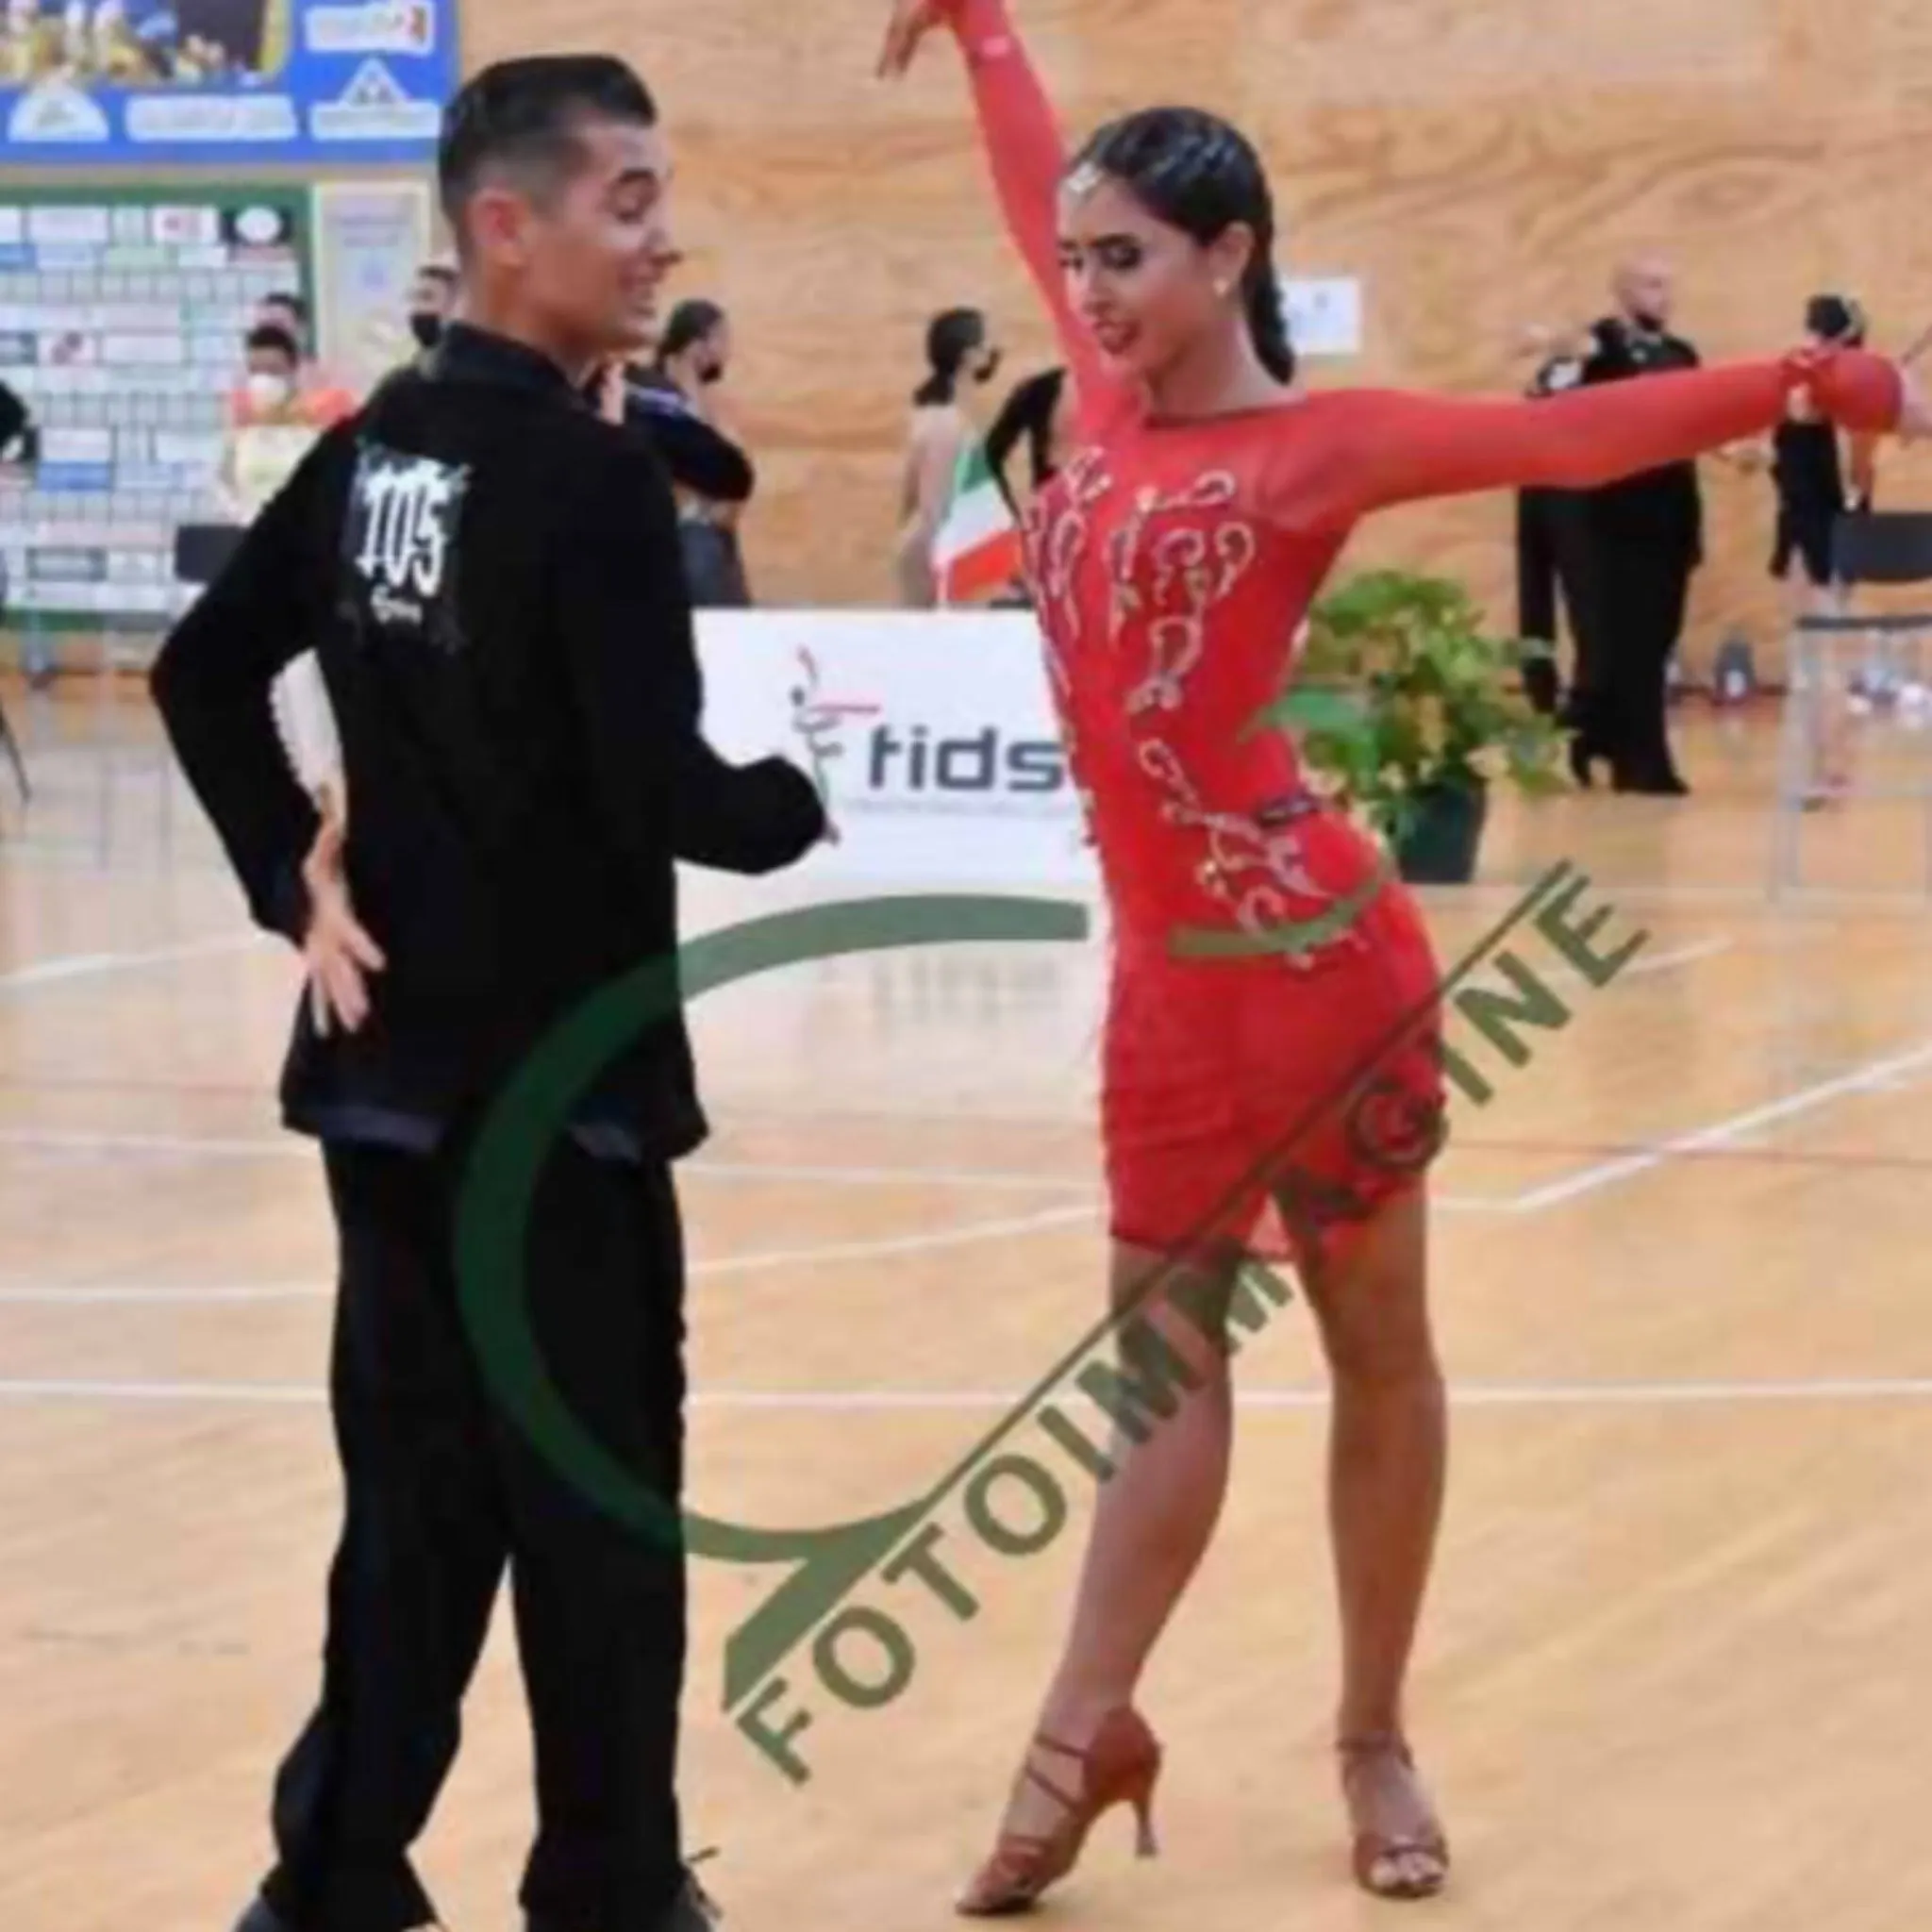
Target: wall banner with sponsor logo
232 82
933 735
121 314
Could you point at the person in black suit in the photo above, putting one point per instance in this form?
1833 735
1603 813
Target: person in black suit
17 439
1036 413
1552 565
1646 538
488 574
15 422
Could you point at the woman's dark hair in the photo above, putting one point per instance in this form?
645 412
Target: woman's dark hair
950 338
1838 318
1193 171
691 322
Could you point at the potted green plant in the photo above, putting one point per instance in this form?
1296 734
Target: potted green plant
1408 708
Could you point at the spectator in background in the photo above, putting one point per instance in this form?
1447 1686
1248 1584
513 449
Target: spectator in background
1039 411
430 302
16 426
677 402
1821 475
1553 556
695 352
17 447
328 399
1647 538
433 297
960 356
271 423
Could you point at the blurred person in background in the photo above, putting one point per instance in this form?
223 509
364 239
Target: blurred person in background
1820 476
678 401
271 423
327 400
961 359
432 299
17 452
1646 541
1553 552
1038 412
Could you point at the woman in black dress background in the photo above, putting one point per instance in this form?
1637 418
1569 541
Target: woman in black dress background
1820 478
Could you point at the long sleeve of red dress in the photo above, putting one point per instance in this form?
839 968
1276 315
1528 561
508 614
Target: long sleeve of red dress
1383 446
1390 446
1026 156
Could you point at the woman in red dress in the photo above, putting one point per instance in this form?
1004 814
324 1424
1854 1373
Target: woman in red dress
1172 562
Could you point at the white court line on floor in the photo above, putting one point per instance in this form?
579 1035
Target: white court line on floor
294 1147
1645 962
882 1176
1677 955
123 1295
90 1296
865 1401
60 1139
72 966
1868 1078
50 1295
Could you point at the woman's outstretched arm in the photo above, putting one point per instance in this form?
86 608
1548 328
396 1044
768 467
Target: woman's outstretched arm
1396 447
1025 152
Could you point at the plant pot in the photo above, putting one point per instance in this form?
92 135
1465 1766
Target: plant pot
1439 847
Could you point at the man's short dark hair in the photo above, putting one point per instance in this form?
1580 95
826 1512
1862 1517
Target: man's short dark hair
438 271
287 298
269 335
522 118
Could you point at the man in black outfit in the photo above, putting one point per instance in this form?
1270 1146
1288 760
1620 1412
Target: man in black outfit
1552 564
488 573
1647 538
1031 413
16 429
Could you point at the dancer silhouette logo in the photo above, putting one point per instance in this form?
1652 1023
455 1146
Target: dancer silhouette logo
851 1588
897 763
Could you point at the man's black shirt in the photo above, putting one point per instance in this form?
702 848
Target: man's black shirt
1664 506
13 417
490 576
698 458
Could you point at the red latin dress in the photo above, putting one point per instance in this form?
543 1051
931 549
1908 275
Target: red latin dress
1172 564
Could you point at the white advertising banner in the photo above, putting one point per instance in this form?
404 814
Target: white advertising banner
933 735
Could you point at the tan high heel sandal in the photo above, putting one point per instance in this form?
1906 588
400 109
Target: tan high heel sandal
1371 1849
1118 1767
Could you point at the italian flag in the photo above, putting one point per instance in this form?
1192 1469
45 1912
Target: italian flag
976 549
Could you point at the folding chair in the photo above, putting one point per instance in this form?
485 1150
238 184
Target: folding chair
1891 548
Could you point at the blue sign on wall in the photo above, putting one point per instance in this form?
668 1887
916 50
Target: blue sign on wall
224 81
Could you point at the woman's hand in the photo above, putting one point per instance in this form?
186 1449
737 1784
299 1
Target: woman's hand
911 21
1864 393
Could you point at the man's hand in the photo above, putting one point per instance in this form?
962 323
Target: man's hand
336 950
1556 345
610 385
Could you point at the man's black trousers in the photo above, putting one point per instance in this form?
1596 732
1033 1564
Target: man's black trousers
445 1493
1645 594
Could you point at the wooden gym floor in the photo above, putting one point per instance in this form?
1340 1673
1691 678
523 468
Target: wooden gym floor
1676 1667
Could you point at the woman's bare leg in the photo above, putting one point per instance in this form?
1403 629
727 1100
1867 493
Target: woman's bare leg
1154 1519
1388 1455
